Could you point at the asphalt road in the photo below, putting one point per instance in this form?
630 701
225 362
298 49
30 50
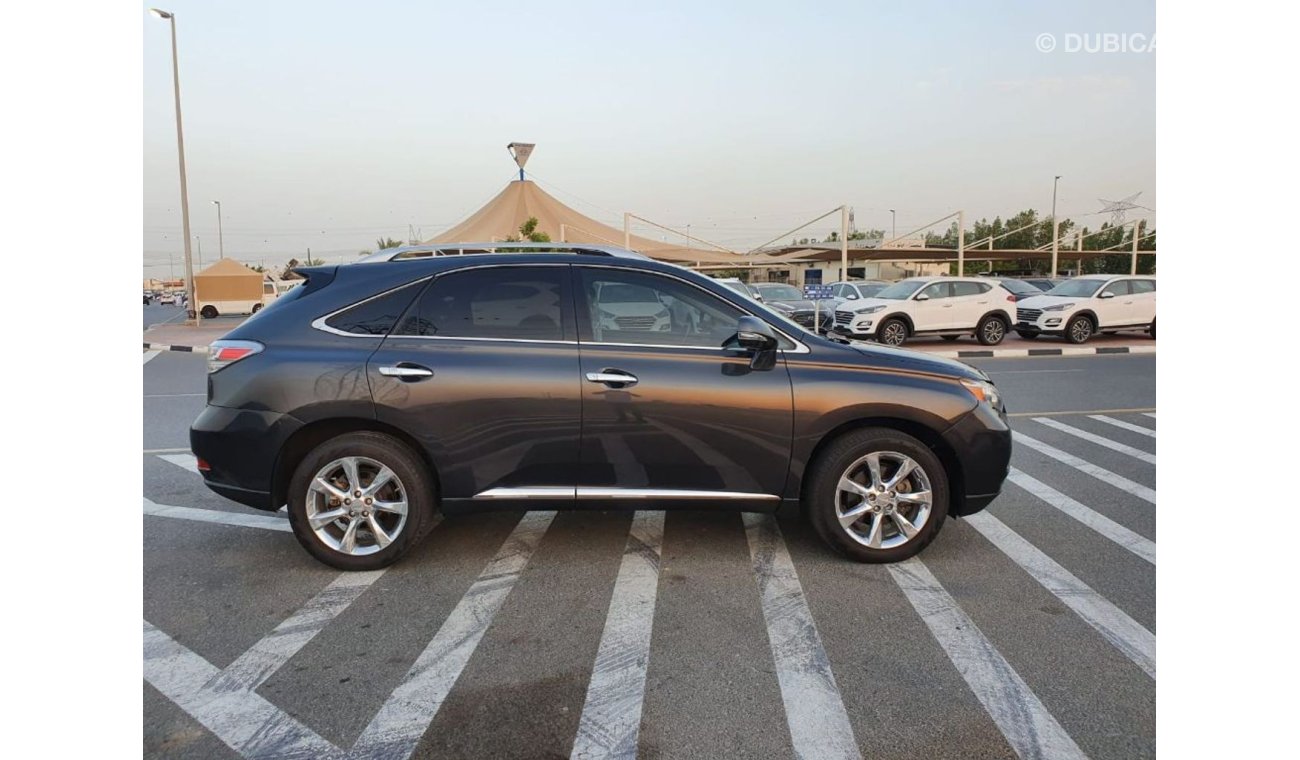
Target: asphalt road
157 314
1028 629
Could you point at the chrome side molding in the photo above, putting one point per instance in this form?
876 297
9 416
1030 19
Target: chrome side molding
595 494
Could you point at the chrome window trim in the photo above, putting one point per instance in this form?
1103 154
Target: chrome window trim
585 493
319 322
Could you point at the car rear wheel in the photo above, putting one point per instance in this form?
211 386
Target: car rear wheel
991 331
892 332
877 495
1079 329
209 312
257 307
1152 329
360 501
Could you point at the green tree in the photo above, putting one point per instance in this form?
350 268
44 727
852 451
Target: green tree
387 242
528 231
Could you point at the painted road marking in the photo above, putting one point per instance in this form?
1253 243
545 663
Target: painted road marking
1139 545
1076 413
1125 633
149 356
819 725
245 721
1138 454
1100 473
166 451
1027 725
1152 415
396 730
611 717
183 461
221 518
1125 425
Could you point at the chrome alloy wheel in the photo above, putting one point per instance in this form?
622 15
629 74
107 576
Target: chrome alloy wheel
994 330
883 500
1081 330
356 505
894 334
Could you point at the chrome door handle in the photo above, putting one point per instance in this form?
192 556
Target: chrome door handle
612 376
947 306
406 370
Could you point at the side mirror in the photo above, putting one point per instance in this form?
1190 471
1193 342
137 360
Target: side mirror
921 297
753 334
1107 294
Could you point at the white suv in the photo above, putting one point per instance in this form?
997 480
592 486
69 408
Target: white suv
1081 307
946 306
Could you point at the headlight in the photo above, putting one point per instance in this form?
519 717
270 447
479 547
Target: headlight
871 309
983 391
605 314
1059 307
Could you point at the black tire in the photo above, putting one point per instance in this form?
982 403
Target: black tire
1027 335
411 472
821 494
950 337
209 312
892 332
1152 329
257 307
1079 329
991 330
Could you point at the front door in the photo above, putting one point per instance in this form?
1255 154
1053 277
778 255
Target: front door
934 312
668 413
1115 305
483 371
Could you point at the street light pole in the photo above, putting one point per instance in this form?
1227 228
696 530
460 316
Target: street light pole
1056 227
199 244
221 239
180 152
893 225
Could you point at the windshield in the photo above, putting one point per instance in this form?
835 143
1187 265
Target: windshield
1020 286
737 286
871 289
778 292
900 290
1077 288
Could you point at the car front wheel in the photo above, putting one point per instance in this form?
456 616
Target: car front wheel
209 312
1078 330
991 331
360 501
892 332
877 495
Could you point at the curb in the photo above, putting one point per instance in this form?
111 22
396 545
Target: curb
1023 352
185 349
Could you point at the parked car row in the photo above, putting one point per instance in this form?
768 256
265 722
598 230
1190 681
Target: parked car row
987 308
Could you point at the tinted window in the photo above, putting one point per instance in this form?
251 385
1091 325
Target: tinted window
374 317
777 292
970 288
1143 286
936 290
666 311
1020 286
492 302
1118 288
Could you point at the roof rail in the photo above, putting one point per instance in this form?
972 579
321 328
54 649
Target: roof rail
406 252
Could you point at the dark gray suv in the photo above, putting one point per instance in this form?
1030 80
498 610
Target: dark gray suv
380 393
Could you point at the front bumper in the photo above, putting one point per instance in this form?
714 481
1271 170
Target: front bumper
241 446
981 441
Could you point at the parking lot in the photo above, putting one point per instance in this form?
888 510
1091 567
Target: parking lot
1027 630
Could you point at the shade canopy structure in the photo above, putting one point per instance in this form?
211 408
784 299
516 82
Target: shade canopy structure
502 216
228 280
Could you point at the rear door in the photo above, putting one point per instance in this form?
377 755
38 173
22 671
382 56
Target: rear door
483 371
668 413
971 300
1144 301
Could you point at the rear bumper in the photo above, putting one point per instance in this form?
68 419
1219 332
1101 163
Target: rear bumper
981 442
241 447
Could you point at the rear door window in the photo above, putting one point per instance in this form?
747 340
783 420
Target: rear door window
1143 286
500 303
970 288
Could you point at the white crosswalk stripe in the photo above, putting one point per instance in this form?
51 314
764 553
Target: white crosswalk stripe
183 461
1100 473
612 714
819 726
1129 426
1152 415
241 519
1125 633
1142 547
1027 725
1122 448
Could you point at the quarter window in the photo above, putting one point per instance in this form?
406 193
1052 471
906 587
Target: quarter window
639 308
519 303
375 316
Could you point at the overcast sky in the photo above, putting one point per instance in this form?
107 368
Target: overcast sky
328 124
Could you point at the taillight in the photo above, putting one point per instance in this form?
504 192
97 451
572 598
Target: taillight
223 353
1012 299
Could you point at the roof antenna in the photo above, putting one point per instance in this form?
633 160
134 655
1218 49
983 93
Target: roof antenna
520 153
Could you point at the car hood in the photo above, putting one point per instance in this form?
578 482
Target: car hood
633 308
877 355
797 305
866 303
1042 302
